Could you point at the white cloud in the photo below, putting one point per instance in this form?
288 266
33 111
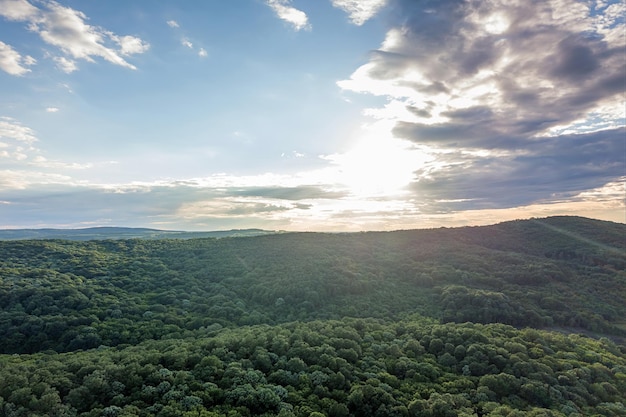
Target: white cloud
12 62
17 142
65 28
42 162
17 150
52 109
18 10
186 42
130 45
202 53
359 11
66 87
29 60
22 179
11 129
66 65
297 18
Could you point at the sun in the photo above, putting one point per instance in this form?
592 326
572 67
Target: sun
378 164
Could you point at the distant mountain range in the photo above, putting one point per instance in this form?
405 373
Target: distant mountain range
105 233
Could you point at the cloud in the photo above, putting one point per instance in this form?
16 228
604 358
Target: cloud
42 199
39 199
11 129
359 11
130 45
186 42
230 208
202 53
17 151
66 65
17 182
297 18
546 172
65 28
515 103
12 62
303 192
18 10
42 162
52 109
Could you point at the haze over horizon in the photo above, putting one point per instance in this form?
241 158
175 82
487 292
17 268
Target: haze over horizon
337 115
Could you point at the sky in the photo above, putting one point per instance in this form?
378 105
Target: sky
310 115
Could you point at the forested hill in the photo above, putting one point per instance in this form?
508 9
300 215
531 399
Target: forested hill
408 323
101 233
560 271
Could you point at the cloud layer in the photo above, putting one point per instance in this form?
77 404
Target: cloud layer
494 110
67 30
505 94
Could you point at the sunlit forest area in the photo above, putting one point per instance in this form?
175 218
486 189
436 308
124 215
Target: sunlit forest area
523 318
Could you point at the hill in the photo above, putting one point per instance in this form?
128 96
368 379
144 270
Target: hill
102 233
566 272
379 323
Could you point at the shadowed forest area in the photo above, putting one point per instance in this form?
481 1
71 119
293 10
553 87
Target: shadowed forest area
523 318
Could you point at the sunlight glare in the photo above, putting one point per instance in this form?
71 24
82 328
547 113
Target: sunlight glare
496 24
378 164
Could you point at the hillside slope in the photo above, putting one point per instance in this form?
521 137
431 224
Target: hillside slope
64 295
419 323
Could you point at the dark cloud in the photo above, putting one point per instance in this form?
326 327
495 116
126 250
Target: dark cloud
480 53
301 206
53 204
252 209
542 65
550 169
287 193
429 20
465 133
493 83
475 114
389 64
576 61
419 112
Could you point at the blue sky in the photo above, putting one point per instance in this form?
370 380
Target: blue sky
329 115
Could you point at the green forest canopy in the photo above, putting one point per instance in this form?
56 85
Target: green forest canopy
409 323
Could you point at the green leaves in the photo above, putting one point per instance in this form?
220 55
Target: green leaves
295 368
298 324
64 296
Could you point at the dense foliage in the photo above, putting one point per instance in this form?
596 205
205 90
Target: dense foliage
306 323
359 367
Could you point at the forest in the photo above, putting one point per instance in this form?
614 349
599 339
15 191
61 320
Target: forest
522 318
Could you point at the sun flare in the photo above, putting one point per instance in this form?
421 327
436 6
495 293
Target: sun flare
378 164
